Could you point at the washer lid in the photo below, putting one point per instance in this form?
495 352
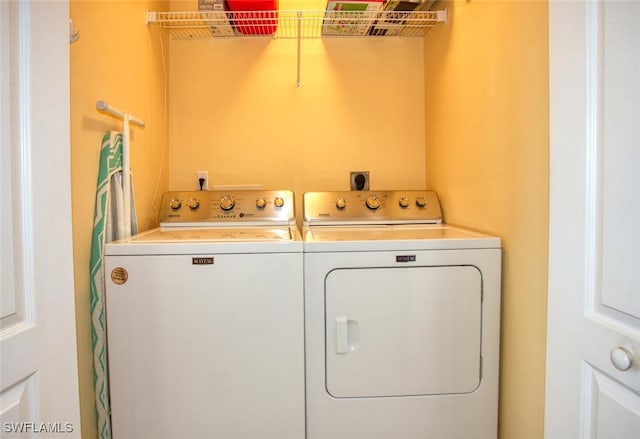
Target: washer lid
192 234
200 240
385 237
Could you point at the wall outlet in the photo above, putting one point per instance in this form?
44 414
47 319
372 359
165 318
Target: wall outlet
359 180
202 180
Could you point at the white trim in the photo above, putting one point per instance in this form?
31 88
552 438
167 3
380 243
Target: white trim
25 110
593 147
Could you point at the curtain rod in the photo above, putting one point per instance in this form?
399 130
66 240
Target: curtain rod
106 108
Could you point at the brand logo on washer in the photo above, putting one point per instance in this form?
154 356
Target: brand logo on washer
405 258
202 261
119 276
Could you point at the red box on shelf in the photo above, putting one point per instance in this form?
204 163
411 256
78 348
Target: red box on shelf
260 18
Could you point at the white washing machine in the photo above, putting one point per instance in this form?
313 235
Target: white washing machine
402 318
205 320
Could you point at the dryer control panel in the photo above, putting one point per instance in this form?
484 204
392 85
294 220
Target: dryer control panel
242 206
372 207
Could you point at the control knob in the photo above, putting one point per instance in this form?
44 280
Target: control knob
421 201
175 204
193 203
341 203
404 202
373 202
261 203
278 202
227 202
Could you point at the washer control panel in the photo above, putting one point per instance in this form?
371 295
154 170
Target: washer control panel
265 206
379 207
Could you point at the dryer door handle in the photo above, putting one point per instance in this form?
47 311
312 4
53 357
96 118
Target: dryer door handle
342 335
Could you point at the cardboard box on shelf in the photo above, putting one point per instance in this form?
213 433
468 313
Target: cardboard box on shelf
220 26
211 5
351 17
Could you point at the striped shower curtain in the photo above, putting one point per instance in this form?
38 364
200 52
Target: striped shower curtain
108 225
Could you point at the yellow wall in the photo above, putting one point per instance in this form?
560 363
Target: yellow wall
236 112
486 89
116 59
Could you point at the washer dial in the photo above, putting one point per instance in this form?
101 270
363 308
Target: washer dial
193 203
175 203
227 202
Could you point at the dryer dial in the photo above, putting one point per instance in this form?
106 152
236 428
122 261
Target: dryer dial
278 202
373 202
341 203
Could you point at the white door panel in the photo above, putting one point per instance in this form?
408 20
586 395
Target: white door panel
614 410
16 407
619 159
403 331
594 249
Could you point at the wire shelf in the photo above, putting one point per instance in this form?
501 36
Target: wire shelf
296 24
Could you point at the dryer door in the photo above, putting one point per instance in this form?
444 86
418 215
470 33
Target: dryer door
403 331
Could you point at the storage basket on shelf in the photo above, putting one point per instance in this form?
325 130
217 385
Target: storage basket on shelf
254 17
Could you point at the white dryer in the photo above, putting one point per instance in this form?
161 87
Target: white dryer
205 320
402 318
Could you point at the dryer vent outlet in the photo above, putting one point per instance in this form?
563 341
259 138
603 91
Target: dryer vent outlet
359 180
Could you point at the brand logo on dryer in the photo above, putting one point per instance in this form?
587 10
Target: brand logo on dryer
202 261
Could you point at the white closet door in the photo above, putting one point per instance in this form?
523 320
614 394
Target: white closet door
39 378
593 341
